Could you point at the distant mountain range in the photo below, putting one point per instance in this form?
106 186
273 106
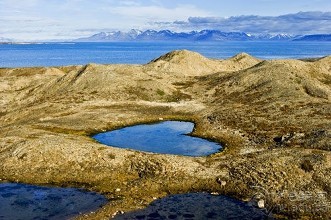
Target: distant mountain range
316 37
204 35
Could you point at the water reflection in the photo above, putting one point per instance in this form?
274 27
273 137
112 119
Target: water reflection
22 201
168 137
196 206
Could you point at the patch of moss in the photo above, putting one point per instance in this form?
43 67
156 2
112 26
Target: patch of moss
160 92
178 96
307 166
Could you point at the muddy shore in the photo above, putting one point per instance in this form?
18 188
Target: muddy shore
273 118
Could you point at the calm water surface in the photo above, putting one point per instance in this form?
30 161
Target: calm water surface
22 201
60 54
197 206
167 137
170 137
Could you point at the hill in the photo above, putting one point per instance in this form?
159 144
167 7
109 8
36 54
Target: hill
315 37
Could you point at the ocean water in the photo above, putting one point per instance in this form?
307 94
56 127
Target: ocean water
60 54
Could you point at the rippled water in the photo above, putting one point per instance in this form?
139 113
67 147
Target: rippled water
197 206
169 137
60 54
22 201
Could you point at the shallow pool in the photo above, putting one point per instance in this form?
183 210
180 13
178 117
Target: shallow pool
169 137
197 206
23 201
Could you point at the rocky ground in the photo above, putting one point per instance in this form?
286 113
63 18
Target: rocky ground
273 118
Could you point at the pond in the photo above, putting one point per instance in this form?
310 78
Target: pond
23 201
168 137
197 206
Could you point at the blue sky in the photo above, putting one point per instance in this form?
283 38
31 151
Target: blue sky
65 19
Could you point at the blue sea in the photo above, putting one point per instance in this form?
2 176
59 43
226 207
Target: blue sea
60 54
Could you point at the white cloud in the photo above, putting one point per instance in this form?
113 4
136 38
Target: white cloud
299 23
130 3
48 19
152 13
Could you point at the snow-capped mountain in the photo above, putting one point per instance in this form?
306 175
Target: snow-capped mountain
215 35
167 35
282 37
274 37
113 36
204 35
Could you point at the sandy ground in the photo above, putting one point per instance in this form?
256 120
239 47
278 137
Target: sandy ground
273 118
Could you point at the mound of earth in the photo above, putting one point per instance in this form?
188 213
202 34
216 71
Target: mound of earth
189 63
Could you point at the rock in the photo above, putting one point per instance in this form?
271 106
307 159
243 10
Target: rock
120 212
221 182
118 190
284 138
260 204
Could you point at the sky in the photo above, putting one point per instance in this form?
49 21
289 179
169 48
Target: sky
68 19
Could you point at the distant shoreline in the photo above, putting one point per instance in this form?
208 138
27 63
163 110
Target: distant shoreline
154 41
170 36
55 54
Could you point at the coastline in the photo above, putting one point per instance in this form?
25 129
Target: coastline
72 54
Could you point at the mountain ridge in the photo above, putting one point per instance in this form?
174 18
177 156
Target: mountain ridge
203 35
135 35
315 37
167 35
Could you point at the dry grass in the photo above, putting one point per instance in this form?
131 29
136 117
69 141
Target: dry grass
242 102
